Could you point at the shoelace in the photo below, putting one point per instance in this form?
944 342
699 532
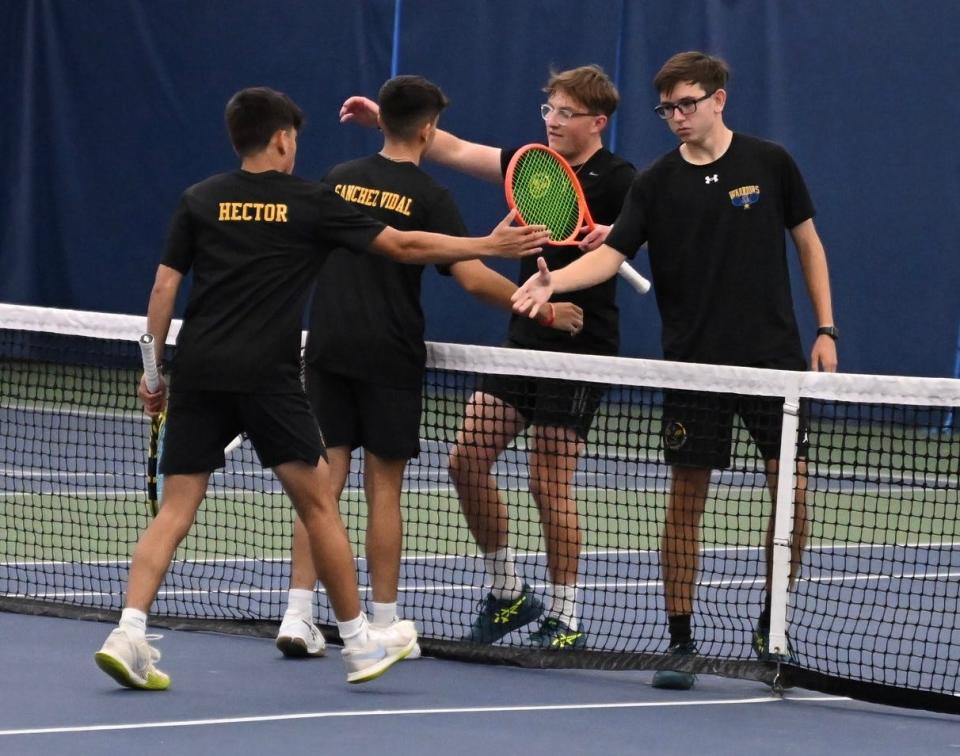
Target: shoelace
154 652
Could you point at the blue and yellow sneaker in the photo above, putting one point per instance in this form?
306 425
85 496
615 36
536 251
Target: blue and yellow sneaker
761 647
671 679
498 617
557 635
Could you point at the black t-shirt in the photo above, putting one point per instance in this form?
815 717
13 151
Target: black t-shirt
716 237
254 242
366 321
605 179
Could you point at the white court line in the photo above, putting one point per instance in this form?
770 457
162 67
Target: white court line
452 588
521 555
412 712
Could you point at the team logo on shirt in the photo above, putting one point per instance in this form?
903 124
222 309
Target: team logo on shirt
538 185
674 435
745 196
711 179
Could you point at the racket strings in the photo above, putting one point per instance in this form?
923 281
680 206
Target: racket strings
544 195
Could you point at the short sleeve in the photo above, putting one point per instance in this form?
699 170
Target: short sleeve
179 251
630 229
797 204
506 155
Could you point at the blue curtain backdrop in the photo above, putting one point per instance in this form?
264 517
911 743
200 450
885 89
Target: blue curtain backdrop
112 108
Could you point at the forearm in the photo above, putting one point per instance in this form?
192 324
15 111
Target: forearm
816 275
478 160
163 297
485 284
426 248
593 268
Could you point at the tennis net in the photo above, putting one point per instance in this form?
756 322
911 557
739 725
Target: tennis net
871 614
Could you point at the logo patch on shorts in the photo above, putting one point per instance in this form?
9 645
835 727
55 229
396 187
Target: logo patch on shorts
674 435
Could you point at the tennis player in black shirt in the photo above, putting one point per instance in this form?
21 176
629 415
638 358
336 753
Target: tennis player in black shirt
254 239
364 377
558 413
713 213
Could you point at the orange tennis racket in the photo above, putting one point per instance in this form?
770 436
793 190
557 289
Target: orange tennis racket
542 187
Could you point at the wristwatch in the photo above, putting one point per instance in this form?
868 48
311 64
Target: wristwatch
832 331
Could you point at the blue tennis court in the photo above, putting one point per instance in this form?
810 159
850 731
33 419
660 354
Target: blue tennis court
237 694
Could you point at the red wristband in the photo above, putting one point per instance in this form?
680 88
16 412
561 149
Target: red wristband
547 322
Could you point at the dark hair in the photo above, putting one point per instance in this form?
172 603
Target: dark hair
587 84
693 67
255 114
407 103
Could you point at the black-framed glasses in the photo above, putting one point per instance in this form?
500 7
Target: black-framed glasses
563 114
686 106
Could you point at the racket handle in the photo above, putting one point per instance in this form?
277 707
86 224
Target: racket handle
233 444
638 282
148 351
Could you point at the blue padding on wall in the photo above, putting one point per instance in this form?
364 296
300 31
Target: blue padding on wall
108 117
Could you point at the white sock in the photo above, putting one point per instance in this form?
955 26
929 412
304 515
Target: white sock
501 566
383 614
563 604
300 602
134 622
354 633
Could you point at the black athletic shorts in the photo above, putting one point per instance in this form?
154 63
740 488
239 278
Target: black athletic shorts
698 427
200 424
382 419
548 402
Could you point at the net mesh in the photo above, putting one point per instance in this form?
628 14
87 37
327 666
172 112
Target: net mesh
544 195
872 613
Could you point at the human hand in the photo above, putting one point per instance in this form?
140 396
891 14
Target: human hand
360 110
823 356
567 317
153 401
594 239
535 292
507 240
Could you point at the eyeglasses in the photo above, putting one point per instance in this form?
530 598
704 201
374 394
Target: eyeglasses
563 114
686 106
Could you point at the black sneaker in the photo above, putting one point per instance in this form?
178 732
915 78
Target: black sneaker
671 679
498 617
761 647
556 634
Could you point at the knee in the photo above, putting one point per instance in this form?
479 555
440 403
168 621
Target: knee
316 507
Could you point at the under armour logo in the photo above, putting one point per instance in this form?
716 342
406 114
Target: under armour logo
711 179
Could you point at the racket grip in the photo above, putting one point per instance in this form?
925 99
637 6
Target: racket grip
148 351
638 282
233 444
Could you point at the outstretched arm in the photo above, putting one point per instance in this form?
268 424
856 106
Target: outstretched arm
478 160
589 270
489 286
813 263
423 247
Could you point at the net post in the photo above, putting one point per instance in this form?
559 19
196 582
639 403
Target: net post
783 526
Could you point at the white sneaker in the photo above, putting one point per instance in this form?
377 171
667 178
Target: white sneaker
130 661
399 640
385 647
299 637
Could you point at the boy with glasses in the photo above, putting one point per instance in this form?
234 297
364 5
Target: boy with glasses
559 414
713 214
